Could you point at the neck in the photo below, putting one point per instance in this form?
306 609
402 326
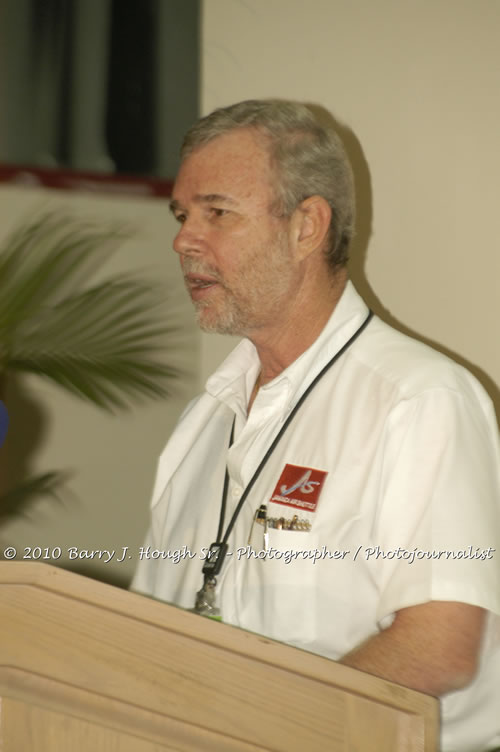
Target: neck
281 346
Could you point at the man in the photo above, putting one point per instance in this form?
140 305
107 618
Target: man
367 463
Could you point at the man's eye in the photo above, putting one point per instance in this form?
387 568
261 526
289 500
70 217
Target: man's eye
180 217
216 212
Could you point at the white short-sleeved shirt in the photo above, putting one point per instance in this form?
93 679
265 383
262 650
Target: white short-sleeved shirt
390 467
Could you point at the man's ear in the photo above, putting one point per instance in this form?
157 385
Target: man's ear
311 224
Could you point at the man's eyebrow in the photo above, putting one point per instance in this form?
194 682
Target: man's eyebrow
174 206
209 197
204 198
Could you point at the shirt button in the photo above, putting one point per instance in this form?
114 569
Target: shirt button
236 492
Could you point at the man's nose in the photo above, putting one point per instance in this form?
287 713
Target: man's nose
189 239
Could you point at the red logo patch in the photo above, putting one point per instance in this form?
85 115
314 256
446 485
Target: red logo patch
299 487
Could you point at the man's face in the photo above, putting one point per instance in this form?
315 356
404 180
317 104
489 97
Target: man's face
234 254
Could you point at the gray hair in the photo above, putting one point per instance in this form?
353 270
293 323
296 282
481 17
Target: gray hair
309 160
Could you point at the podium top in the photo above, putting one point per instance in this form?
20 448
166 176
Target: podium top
59 628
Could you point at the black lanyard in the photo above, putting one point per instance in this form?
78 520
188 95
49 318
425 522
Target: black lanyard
217 551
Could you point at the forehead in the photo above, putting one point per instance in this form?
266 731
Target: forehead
236 164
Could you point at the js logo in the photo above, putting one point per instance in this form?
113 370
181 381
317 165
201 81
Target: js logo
4 422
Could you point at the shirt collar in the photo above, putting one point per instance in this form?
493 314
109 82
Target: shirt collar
233 381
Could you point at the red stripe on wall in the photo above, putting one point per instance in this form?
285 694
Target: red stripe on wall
93 182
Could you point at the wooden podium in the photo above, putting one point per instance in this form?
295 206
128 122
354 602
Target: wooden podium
86 667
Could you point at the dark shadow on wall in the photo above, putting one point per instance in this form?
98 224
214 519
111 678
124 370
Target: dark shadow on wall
26 433
359 253
28 426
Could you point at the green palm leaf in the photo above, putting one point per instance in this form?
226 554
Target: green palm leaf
45 260
18 500
101 343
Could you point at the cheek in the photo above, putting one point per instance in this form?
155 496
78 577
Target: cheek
250 251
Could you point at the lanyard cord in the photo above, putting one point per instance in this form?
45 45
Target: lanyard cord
276 440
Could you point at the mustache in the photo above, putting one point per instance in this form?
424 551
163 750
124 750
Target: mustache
194 266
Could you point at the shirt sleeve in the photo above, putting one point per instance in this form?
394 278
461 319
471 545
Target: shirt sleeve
438 521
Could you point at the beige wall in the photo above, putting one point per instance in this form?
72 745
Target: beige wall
112 457
415 85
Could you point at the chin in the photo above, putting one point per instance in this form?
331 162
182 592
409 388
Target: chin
218 324
224 320
216 327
